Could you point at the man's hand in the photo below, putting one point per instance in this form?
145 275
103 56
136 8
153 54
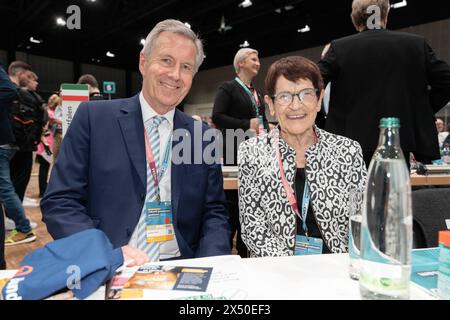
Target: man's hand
135 256
254 124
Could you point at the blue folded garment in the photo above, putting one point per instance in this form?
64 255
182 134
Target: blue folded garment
81 262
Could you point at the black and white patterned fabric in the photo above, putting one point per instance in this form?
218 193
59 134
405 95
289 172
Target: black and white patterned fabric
334 166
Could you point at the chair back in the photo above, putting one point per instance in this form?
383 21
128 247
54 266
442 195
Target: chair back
431 213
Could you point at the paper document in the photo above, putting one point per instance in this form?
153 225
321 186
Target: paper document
212 278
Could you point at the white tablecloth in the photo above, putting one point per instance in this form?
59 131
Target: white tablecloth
307 277
284 278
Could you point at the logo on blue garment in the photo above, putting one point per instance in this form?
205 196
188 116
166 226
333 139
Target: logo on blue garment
12 287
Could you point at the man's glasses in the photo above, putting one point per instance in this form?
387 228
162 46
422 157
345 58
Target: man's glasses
306 96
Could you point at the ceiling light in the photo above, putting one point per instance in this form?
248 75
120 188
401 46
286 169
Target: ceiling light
245 44
187 25
60 21
142 42
245 4
223 26
304 29
399 4
35 40
285 8
110 54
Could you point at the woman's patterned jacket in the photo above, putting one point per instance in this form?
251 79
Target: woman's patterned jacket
334 166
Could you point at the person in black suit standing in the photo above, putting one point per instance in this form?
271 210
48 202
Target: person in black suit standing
8 93
238 105
381 73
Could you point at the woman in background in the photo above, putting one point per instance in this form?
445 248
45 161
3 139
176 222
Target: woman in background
44 154
55 120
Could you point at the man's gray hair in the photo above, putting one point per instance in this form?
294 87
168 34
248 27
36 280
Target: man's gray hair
174 26
241 55
359 10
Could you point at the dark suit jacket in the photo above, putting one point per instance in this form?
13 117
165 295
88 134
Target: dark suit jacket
382 73
8 92
99 181
233 109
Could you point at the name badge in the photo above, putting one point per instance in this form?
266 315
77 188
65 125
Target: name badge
308 246
158 220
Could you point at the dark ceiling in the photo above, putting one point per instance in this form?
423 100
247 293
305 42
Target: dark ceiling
119 25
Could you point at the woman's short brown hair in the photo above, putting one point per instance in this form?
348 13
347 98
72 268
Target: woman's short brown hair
293 68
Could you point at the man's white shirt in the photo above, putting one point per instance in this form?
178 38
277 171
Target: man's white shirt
168 249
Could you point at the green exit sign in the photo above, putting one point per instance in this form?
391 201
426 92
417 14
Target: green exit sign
109 87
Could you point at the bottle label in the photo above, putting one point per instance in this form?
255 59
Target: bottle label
444 272
385 278
443 286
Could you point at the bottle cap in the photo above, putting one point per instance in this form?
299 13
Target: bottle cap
389 123
444 238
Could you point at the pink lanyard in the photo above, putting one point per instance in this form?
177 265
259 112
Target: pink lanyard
151 160
290 192
287 187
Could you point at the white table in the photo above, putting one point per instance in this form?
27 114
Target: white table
286 278
308 277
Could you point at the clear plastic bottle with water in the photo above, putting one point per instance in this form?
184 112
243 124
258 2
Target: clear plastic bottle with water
445 154
386 230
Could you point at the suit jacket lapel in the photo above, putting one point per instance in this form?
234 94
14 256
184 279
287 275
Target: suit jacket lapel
177 170
130 121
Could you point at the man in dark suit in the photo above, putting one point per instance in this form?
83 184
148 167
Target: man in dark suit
8 92
381 73
109 176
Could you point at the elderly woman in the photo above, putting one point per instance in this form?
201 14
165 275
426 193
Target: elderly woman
294 181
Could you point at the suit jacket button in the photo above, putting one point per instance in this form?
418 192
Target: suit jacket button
129 232
143 196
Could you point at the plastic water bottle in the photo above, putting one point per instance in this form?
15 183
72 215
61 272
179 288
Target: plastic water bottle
443 284
445 154
354 234
386 230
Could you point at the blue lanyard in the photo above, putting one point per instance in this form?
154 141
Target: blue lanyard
305 205
165 163
250 94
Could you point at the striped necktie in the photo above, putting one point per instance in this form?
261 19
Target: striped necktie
151 249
